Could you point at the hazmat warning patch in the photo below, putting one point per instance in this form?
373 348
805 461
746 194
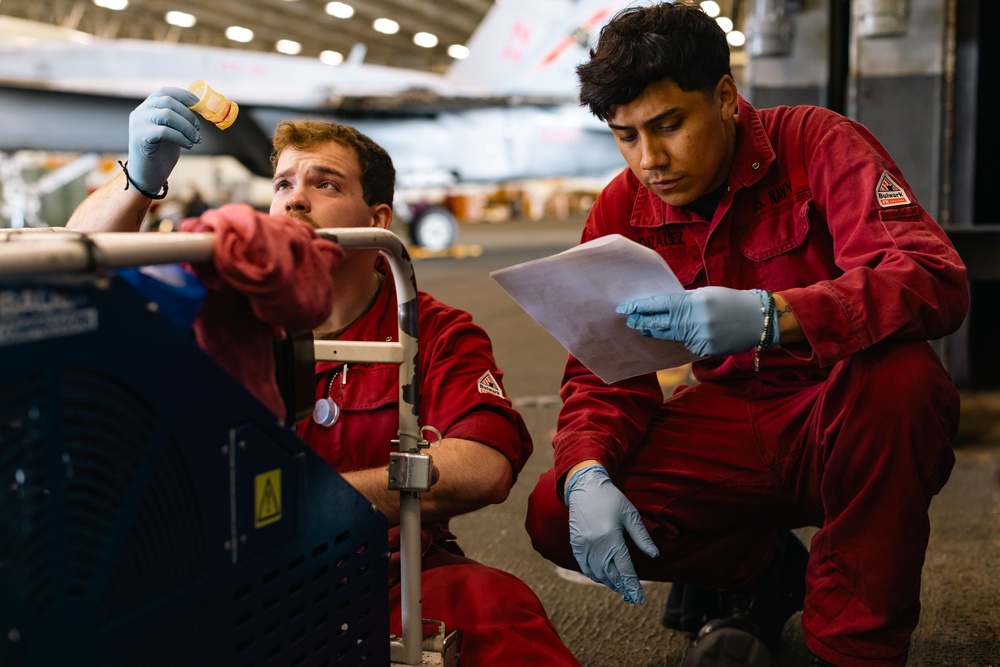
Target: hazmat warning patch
489 385
889 193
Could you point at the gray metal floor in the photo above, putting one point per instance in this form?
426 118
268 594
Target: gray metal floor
960 623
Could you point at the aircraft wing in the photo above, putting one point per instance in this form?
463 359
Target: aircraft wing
524 51
511 142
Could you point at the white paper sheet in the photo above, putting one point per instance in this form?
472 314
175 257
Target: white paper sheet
573 295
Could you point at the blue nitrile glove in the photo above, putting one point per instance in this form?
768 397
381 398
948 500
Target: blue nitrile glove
709 321
598 515
157 129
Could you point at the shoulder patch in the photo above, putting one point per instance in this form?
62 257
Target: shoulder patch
489 385
889 193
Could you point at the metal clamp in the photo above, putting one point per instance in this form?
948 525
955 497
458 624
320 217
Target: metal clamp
409 471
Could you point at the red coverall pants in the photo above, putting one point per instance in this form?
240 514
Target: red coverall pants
502 621
859 455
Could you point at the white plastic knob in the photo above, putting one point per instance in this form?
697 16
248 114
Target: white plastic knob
326 412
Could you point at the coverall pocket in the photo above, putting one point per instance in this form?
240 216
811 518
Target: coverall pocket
777 231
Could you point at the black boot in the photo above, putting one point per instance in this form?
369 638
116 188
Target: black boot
689 607
750 633
816 661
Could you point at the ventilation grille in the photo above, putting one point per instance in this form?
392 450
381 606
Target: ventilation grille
98 511
319 609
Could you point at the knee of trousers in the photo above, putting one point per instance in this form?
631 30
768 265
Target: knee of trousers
907 374
900 397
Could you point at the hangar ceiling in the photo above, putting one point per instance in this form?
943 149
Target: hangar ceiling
303 21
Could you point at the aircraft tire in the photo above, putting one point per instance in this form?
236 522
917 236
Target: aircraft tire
434 228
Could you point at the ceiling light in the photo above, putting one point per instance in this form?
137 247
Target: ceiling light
331 57
288 47
458 52
181 19
112 4
339 10
386 26
711 7
736 38
238 34
425 39
725 23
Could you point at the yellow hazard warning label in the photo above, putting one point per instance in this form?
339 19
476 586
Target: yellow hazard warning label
267 498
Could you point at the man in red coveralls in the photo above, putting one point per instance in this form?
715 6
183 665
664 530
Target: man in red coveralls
329 175
814 280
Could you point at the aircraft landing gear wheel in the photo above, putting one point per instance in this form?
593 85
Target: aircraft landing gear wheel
434 228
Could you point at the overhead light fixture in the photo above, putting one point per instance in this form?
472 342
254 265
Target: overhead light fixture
736 38
339 10
116 5
425 39
239 34
458 51
331 57
725 23
288 46
711 7
181 19
385 26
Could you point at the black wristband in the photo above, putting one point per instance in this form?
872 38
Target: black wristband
128 180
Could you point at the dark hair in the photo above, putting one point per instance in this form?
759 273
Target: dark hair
644 45
378 176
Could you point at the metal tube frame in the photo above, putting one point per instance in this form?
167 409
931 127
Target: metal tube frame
408 650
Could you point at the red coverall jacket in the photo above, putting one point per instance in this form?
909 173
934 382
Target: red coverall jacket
850 432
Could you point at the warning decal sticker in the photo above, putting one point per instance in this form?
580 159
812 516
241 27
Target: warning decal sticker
489 385
889 193
37 313
267 498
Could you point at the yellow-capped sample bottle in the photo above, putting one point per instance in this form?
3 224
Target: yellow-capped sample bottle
213 106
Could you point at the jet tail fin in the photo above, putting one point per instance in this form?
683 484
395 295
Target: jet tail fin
532 47
357 54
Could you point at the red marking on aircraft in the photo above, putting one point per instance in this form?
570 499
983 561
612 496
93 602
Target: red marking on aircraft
520 35
596 19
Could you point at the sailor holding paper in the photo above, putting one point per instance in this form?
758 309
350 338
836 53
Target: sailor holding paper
813 282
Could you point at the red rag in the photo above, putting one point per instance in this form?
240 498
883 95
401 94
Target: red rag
270 274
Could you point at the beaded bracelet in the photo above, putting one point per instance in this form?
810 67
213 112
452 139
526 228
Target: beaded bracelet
128 180
767 335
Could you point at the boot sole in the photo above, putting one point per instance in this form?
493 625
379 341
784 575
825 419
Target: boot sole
728 647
